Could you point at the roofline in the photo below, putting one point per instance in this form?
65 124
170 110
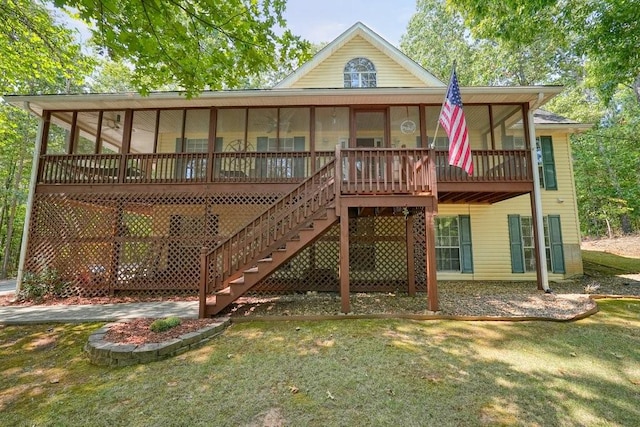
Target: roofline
36 104
279 92
359 28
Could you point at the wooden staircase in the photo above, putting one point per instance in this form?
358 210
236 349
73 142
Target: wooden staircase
289 225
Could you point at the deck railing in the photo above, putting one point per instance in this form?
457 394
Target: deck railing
488 166
385 170
259 236
363 170
79 169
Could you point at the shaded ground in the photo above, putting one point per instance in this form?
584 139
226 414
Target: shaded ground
627 246
604 274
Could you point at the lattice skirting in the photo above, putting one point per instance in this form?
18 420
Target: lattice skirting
106 243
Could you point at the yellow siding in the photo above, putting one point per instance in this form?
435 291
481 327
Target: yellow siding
490 232
329 73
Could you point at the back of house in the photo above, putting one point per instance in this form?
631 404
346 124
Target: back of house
335 180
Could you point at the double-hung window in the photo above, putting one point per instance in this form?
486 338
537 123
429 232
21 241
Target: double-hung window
453 244
522 244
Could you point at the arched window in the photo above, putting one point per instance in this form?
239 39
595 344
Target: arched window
360 72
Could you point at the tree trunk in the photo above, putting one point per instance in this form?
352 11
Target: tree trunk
625 221
5 201
12 215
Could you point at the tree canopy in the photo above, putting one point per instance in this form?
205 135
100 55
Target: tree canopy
437 35
197 44
605 32
37 54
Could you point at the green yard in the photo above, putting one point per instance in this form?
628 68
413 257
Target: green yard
348 372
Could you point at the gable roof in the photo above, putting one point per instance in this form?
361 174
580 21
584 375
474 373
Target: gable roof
361 30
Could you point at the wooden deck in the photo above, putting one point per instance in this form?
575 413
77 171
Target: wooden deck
498 174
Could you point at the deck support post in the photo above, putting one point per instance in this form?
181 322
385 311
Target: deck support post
411 262
430 254
542 275
202 311
344 258
536 238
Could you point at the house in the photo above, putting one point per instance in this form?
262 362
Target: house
337 179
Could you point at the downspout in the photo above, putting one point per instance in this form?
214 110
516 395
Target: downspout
32 190
542 256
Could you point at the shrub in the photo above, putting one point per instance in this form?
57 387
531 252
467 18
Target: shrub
162 325
35 286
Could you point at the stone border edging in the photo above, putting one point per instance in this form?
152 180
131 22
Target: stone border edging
106 353
579 316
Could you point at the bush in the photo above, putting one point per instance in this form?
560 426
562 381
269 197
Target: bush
35 286
162 325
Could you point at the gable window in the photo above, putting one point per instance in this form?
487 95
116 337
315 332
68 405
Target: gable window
522 243
453 244
546 163
360 72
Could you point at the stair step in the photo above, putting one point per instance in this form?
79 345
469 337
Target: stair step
225 291
252 270
238 281
266 260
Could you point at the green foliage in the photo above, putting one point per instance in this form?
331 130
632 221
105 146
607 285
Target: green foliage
36 286
437 35
161 325
607 171
38 55
198 45
17 133
604 32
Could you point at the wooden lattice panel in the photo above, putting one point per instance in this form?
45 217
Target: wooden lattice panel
419 250
103 243
377 256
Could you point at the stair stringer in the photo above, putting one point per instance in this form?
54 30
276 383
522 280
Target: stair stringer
302 237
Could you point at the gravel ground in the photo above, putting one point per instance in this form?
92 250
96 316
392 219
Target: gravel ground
486 299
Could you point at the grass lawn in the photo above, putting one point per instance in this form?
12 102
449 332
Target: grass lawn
602 263
340 373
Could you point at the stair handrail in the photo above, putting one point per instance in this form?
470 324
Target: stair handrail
266 232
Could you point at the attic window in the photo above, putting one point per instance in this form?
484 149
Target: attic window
360 72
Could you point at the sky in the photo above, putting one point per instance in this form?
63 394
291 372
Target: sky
323 20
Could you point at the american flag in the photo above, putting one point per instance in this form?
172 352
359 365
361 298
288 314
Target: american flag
453 121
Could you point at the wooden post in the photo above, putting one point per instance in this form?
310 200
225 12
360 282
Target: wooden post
430 254
126 145
338 180
203 282
411 262
344 258
536 240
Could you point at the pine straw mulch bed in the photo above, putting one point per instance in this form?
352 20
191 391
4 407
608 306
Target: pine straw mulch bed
136 331
463 299
466 299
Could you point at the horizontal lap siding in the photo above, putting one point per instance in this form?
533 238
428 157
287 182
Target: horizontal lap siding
490 233
329 73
